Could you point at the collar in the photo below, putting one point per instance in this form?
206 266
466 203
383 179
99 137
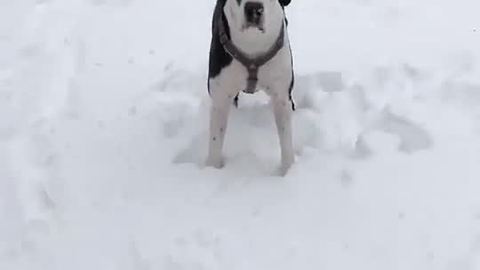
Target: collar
251 64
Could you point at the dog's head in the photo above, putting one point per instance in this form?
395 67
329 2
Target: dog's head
247 15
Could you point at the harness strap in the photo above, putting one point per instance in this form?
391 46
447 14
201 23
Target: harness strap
251 64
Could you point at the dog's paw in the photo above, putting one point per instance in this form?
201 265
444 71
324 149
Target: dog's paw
285 166
217 163
283 170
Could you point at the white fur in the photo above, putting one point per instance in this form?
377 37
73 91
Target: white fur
274 78
253 41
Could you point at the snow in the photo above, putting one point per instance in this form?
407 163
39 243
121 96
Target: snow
103 124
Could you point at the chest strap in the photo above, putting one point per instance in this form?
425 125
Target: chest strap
251 64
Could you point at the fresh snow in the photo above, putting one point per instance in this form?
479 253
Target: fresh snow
103 133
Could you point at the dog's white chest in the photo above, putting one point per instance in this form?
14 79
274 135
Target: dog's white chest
233 78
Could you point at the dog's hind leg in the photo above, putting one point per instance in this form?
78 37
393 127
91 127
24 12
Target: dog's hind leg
221 103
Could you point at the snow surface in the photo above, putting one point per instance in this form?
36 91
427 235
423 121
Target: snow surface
103 112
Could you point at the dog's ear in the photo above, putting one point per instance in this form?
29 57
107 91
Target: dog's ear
284 2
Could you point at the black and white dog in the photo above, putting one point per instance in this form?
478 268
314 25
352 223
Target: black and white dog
250 50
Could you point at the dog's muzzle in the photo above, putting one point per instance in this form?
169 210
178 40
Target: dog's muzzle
254 13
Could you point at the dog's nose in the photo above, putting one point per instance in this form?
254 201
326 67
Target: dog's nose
254 12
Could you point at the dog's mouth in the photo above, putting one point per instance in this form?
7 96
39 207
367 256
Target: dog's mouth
248 26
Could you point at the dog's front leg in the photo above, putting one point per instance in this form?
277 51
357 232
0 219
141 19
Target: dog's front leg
218 126
282 109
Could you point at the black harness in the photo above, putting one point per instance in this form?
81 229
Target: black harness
251 64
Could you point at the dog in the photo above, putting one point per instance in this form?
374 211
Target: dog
250 50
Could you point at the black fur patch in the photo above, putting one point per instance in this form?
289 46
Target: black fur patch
219 58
